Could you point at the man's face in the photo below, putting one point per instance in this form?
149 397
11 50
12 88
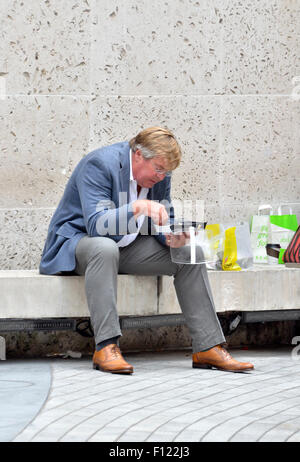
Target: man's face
145 170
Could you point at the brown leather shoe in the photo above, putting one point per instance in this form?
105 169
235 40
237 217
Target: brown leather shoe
219 358
110 359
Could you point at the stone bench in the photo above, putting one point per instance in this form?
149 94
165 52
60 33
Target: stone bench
273 290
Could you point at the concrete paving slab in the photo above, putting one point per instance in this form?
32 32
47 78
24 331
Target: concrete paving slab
24 387
164 400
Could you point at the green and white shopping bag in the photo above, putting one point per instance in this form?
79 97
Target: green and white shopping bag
282 229
260 227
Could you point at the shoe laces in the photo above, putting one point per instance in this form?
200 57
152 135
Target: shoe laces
116 353
225 353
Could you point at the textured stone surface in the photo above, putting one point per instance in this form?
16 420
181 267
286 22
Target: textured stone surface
171 38
45 46
258 288
55 296
255 289
210 47
22 237
261 45
43 138
260 150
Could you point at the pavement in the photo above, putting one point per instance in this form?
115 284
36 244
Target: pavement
165 400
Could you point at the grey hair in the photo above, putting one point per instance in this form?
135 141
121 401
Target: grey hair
146 153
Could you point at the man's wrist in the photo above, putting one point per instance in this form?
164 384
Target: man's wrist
139 207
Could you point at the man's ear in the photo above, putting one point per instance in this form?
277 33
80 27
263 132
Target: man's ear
138 155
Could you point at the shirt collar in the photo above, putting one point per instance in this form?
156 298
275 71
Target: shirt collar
130 161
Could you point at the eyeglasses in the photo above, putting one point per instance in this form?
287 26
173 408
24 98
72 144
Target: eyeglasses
161 171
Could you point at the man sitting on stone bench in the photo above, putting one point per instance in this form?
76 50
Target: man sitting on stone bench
95 232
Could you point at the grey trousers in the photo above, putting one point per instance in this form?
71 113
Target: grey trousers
100 260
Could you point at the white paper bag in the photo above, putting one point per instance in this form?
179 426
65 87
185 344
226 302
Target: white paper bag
260 228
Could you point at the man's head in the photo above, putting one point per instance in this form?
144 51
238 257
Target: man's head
155 153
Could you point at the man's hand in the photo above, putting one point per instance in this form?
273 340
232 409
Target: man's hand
176 240
152 209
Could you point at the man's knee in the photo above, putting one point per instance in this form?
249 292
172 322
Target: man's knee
102 248
105 248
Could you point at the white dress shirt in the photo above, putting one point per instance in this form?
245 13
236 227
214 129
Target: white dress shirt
133 196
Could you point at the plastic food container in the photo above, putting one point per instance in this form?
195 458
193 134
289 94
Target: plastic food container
191 253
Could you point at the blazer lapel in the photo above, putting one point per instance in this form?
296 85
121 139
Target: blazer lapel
124 174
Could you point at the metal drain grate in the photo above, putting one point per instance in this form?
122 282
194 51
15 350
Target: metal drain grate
152 321
15 325
270 315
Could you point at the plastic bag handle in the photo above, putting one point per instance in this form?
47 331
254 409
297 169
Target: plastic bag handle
263 207
284 205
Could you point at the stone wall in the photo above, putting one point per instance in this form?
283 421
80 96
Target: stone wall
78 74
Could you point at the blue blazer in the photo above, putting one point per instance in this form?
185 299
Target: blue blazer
92 199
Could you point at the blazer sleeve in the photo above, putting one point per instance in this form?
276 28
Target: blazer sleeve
101 217
170 209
